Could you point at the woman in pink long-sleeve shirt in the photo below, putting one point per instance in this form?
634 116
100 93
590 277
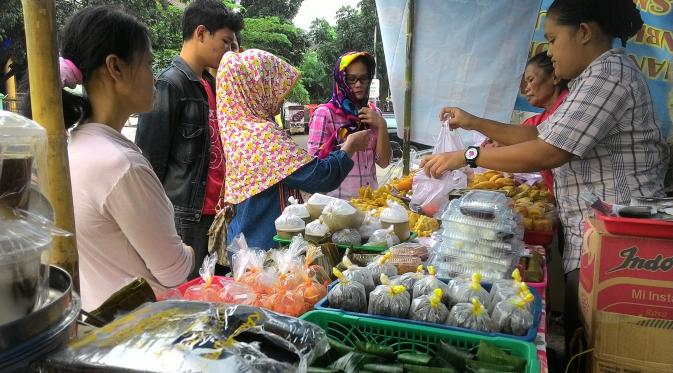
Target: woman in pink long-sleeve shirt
124 221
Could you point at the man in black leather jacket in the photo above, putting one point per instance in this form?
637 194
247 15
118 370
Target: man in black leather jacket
180 137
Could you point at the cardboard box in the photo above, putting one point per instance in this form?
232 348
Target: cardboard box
625 275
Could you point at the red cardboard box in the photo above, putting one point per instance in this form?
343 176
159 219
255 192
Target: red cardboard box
626 274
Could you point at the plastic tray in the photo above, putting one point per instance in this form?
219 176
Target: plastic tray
506 223
637 227
482 232
374 249
493 249
405 337
476 259
452 270
538 238
532 332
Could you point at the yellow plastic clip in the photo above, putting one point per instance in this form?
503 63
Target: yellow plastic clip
476 282
516 275
398 289
432 271
419 269
477 307
339 275
436 298
386 257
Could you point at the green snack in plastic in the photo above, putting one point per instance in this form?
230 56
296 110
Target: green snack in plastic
411 368
374 349
492 354
353 361
384 368
454 355
338 347
321 370
486 367
417 359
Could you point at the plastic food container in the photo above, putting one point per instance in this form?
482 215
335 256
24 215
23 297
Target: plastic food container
486 205
317 203
397 217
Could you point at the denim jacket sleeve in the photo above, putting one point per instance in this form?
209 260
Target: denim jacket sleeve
157 128
321 175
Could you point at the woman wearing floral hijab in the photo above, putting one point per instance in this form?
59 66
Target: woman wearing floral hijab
349 111
264 166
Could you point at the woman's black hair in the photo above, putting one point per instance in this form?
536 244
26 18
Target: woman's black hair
618 18
91 35
543 61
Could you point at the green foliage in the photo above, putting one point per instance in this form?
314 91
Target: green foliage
314 77
284 9
276 36
299 94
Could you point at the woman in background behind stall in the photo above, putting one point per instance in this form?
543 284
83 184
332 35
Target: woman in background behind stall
603 138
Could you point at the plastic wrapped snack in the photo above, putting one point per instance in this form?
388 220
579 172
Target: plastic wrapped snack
358 274
471 315
405 264
284 300
288 262
237 293
409 279
340 214
347 295
428 284
381 265
508 292
512 316
370 224
389 300
512 285
464 290
410 249
248 264
397 217
288 226
483 204
209 290
317 231
348 236
316 204
429 308
383 238
297 209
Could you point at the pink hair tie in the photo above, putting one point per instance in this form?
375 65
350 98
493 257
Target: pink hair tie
70 74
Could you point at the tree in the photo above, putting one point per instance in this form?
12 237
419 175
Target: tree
284 9
276 36
315 79
299 94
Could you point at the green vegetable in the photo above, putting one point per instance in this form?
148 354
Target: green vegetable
411 358
440 362
454 355
384 368
321 370
374 349
483 367
338 347
492 354
411 368
353 361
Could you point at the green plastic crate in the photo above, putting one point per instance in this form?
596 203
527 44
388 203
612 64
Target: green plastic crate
411 338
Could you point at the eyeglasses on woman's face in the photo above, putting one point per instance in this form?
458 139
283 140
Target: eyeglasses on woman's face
354 79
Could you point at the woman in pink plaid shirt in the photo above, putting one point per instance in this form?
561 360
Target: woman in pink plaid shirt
349 111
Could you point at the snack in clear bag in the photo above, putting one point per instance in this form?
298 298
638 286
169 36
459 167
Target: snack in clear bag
311 289
383 238
297 209
348 237
288 226
389 300
484 204
396 216
288 262
429 308
508 292
347 295
237 293
362 275
317 231
471 315
370 224
382 265
427 285
513 316
280 298
339 214
464 290
208 291
316 204
513 285
410 249
248 264
409 279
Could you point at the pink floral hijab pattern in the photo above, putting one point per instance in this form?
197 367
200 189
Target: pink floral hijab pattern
251 87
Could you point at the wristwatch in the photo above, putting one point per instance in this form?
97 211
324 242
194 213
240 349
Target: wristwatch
471 155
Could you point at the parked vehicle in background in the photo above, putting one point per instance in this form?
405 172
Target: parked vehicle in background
396 143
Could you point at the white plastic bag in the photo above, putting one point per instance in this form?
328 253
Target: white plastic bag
431 195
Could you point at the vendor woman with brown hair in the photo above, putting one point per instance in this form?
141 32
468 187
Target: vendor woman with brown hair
603 138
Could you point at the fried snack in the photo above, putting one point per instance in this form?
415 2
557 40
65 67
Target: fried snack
503 182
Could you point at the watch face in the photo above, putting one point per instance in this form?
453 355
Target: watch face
471 153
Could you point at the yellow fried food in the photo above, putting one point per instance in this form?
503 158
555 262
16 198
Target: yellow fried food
542 225
486 185
521 209
495 177
502 182
528 224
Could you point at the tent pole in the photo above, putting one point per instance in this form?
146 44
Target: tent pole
408 78
40 23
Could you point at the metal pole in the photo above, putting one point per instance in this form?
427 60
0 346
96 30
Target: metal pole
40 23
408 78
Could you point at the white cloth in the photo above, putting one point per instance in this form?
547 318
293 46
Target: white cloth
124 222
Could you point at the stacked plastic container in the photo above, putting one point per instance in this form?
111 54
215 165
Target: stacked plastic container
482 233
